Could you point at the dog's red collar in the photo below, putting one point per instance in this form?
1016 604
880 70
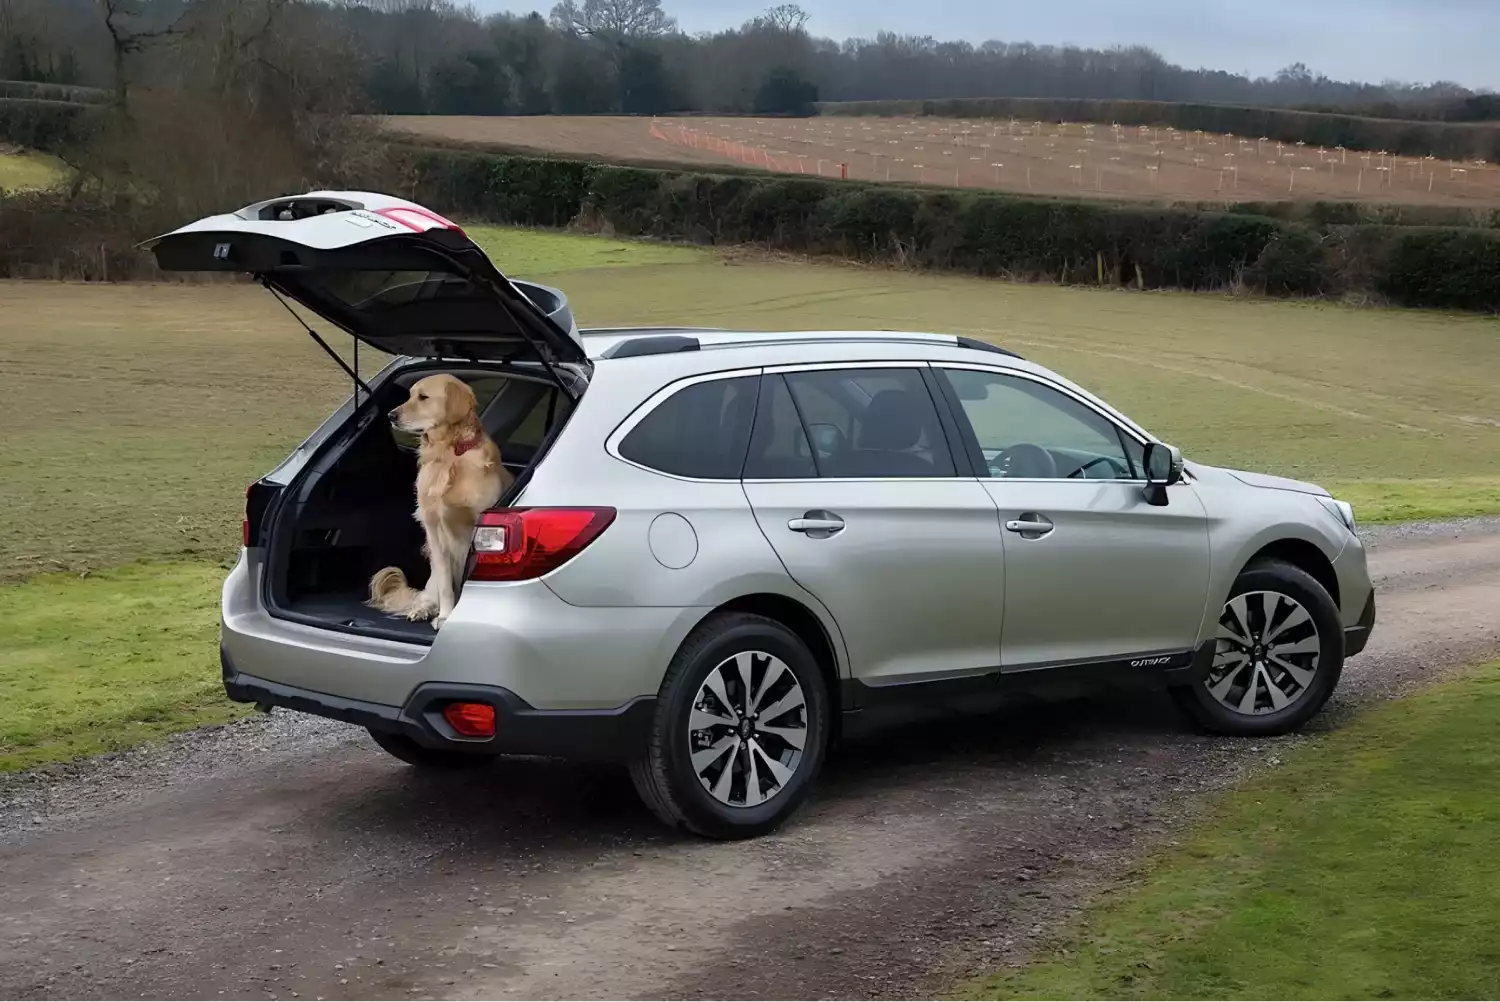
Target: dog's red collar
463 445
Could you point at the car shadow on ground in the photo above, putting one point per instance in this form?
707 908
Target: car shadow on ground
569 806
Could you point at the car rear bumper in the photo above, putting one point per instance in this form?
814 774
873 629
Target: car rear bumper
1358 635
522 639
615 735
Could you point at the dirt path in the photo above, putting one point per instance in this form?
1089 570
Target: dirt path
288 858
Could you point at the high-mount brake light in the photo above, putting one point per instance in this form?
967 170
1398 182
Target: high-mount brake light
518 544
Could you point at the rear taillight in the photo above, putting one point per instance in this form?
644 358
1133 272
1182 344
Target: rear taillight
516 544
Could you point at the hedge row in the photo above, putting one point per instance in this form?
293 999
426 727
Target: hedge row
1449 140
977 232
47 235
1326 214
48 125
52 92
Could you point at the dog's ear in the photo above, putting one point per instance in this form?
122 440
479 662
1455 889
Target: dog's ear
459 402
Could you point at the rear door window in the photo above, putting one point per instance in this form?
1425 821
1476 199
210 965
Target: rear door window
870 423
700 431
779 449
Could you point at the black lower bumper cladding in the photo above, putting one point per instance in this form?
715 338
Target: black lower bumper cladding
614 735
1357 636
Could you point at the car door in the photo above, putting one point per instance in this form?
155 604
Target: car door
1093 571
853 481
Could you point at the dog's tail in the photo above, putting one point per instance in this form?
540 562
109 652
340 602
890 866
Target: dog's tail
389 592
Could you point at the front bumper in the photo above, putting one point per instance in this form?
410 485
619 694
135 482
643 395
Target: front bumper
613 735
1358 635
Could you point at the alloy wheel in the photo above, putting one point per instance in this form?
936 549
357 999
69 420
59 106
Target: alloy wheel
747 729
1267 653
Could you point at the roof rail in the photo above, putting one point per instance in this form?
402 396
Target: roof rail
660 344
978 345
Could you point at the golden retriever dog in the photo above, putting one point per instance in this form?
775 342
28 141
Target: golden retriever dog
458 476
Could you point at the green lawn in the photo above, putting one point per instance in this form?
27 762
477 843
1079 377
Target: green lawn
107 661
138 413
25 170
1365 867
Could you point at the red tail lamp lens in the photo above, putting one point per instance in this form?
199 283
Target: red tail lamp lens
472 720
517 544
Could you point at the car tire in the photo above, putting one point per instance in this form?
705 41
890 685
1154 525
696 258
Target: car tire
431 759
1279 632
701 710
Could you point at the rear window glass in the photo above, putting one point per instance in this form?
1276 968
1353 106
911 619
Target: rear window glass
366 290
700 431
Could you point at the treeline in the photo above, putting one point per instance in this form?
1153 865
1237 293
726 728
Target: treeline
1469 108
1448 140
599 56
1095 243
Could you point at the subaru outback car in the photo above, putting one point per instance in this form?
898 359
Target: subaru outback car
725 550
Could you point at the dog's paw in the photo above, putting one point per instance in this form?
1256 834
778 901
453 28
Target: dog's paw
420 612
439 620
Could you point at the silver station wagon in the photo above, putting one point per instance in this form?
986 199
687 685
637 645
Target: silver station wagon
724 551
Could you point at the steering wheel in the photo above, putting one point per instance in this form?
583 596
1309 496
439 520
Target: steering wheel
1120 472
1024 461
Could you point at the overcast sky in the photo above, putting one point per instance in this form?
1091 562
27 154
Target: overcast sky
1370 40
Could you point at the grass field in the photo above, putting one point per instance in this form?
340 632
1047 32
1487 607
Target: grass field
138 413
1050 158
105 662
1362 868
169 399
23 170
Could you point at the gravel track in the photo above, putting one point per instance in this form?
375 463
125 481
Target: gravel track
286 857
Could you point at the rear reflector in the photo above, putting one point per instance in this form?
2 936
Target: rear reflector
472 720
517 544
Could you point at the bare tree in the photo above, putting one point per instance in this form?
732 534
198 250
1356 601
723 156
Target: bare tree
131 31
613 18
786 17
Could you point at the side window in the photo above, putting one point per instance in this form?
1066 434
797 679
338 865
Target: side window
1027 430
550 407
866 423
699 431
778 448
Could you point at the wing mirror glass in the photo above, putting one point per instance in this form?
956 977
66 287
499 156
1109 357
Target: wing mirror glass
1163 469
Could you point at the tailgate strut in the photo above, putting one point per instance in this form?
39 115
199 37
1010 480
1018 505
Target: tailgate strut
359 384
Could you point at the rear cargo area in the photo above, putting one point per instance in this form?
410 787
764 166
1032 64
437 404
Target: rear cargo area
351 512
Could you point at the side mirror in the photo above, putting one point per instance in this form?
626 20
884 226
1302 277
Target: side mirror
1163 469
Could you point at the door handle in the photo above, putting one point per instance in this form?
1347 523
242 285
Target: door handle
817 524
1030 525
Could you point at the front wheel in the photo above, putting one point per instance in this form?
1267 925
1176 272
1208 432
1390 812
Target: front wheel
1277 657
740 730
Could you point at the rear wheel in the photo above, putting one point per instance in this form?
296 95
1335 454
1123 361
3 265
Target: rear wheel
433 759
1277 657
740 730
